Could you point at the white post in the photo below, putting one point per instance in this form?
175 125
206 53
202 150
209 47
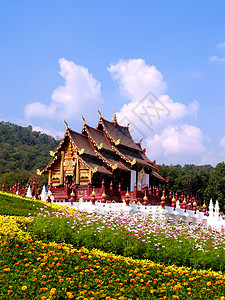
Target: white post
132 179
211 208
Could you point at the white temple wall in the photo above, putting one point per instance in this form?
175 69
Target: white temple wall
132 179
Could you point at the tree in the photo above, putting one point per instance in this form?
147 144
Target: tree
216 187
9 179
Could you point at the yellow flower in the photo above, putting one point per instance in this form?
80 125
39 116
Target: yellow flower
24 288
69 295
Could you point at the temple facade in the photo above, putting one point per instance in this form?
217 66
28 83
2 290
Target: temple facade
107 153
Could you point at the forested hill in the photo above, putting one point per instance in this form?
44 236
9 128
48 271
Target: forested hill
22 149
204 181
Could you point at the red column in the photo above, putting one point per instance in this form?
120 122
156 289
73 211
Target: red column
170 196
88 189
150 194
18 188
111 189
34 189
119 190
102 187
157 194
135 191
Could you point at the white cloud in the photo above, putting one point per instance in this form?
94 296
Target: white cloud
149 108
209 158
221 45
154 114
38 110
222 142
136 78
80 93
52 132
178 144
217 59
157 118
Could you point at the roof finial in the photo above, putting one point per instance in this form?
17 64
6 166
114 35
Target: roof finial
114 117
141 141
99 113
66 124
128 124
83 119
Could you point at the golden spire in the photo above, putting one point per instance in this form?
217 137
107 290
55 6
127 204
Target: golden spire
83 119
99 113
145 197
127 195
93 192
103 194
173 199
66 124
114 117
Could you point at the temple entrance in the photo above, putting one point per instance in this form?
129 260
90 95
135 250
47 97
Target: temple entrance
70 179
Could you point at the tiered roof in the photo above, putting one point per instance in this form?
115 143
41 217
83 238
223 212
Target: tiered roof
103 148
119 135
123 144
106 148
87 152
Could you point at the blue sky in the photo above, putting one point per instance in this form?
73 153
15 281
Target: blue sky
61 59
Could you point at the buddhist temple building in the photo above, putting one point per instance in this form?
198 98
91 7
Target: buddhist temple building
106 152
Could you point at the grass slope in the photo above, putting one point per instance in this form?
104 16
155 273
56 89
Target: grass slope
46 271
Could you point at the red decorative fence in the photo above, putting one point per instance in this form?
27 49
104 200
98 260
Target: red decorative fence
147 196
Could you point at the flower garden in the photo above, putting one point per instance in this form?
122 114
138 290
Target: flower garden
50 252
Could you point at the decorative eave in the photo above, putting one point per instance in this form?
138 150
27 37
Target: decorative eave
155 174
123 132
61 142
48 166
106 132
93 145
151 162
113 167
67 133
98 146
89 167
122 156
80 151
91 139
95 169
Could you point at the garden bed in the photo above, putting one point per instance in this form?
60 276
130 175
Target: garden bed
43 256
